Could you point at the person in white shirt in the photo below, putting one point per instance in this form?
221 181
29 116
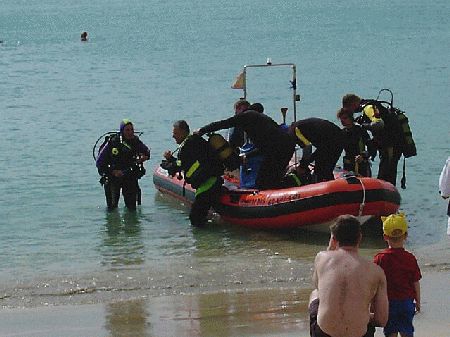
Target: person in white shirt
444 188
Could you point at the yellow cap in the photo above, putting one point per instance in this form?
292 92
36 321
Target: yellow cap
394 225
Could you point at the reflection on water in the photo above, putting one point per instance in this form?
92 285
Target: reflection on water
252 313
273 312
128 318
122 244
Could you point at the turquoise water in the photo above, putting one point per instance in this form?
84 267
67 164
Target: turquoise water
158 61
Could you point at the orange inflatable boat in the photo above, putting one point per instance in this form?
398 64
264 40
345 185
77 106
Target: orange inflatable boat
296 207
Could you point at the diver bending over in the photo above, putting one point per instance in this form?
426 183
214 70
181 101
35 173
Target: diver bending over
201 170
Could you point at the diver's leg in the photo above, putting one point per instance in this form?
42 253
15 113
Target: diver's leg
387 169
113 190
129 192
199 210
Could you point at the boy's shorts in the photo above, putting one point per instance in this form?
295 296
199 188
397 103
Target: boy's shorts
401 314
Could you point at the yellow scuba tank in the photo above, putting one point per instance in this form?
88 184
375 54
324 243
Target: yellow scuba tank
224 152
372 113
393 119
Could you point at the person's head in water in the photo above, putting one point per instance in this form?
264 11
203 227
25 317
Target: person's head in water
180 131
84 36
127 129
346 230
257 107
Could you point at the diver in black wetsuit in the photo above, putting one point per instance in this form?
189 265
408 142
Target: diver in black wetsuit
120 164
358 145
274 144
328 140
236 136
201 168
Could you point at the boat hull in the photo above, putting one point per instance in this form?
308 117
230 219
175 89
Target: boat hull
307 206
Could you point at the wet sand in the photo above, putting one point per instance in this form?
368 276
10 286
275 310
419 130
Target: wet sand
263 312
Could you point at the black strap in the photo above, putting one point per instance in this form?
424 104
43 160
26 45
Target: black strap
403 181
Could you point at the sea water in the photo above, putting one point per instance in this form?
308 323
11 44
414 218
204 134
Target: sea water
159 61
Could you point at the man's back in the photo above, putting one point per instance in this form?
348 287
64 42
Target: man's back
264 132
347 285
320 132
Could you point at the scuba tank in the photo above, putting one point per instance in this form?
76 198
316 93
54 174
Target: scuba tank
408 145
223 151
397 123
390 114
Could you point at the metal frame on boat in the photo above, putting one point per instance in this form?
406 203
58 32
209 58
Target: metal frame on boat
269 64
306 206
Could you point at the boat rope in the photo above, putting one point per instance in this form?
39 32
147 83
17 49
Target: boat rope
363 203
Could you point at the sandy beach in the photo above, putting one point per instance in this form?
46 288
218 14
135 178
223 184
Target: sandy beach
262 312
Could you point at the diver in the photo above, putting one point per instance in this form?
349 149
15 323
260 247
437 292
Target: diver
275 146
391 137
120 163
236 136
328 140
202 170
358 146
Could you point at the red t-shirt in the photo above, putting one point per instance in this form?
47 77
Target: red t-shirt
401 270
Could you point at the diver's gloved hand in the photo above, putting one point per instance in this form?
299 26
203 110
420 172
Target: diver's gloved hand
170 166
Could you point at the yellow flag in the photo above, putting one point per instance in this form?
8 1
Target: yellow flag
239 82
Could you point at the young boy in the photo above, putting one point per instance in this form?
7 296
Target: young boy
402 276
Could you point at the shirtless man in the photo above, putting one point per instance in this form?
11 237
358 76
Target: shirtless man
348 286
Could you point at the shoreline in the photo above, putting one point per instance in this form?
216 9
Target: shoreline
246 312
277 307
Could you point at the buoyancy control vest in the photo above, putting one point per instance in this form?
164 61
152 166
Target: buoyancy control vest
396 125
122 156
198 161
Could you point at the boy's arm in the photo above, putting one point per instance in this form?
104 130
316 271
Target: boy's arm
417 296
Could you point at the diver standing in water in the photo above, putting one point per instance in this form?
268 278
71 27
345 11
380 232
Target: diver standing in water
201 170
390 129
358 145
120 162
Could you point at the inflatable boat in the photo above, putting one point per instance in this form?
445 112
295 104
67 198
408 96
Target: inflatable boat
311 206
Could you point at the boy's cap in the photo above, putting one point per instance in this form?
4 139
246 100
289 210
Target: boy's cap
394 225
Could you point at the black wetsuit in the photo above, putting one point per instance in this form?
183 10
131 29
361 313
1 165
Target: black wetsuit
203 172
120 154
388 142
328 140
273 143
356 140
236 137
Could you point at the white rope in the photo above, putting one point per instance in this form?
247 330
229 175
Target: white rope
363 203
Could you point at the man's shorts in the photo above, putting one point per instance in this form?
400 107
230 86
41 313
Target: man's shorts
401 314
315 330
